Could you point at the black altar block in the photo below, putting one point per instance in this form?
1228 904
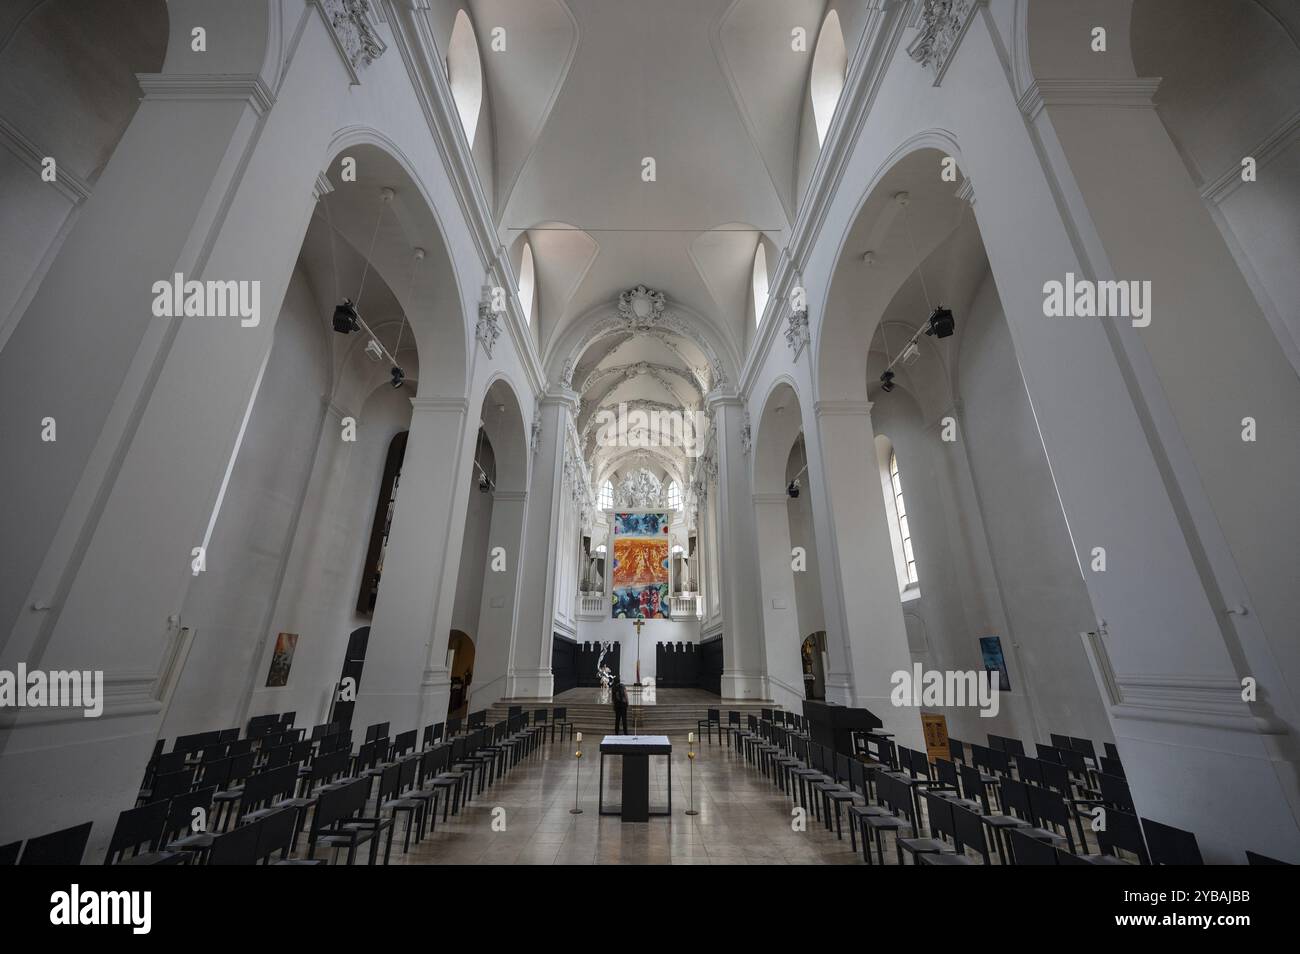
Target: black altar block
635 751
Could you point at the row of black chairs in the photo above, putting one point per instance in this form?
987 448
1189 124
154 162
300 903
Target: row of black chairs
556 719
938 810
712 722
270 794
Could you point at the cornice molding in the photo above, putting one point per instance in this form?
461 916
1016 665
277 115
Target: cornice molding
72 187
322 187
1134 93
188 87
770 498
1265 151
442 405
842 408
1209 701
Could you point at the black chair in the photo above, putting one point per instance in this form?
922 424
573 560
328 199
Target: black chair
1049 809
560 721
1111 766
137 828
57 848
394 796
957 751
1047 753
405 742
941 824
896 796
339 822
1015 799
438 777
950 779
1251 858
9 853
711 721
969 834
179 831
1167 845
1027 850
1120 832
1029 770
1111 751
238 847
276 832
230 789
1084 747
733 727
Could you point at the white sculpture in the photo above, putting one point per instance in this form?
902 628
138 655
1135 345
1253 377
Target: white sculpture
603 671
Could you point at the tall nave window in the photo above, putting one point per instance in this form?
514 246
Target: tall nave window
674 496
605 499
901 509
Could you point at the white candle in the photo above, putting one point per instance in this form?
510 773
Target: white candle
579 737
690 737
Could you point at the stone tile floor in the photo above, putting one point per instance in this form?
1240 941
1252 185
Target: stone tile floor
744 818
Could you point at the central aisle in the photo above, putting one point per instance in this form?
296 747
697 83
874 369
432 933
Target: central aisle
743 818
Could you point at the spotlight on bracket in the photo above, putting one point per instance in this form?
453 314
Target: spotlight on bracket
793 489
346 319
941 323
398 376
887 381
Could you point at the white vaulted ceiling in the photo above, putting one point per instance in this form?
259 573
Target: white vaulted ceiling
584 92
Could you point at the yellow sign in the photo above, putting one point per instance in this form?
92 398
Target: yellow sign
935 727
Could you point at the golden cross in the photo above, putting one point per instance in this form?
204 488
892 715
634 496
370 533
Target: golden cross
638 624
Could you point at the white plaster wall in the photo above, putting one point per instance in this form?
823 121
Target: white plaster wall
228 603
319 595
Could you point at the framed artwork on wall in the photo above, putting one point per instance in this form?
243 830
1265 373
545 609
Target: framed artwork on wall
994 661
281 660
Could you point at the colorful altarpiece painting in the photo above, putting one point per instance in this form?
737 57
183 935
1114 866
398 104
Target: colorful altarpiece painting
641 565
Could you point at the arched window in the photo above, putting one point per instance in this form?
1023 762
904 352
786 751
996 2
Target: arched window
760 281
900 509
674 496
605 500
465 73
526 282
900 529
829 65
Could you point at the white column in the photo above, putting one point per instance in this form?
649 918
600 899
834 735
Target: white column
405 680
743 669
215 184
1142 427
530 664
866 637
498 615
780 607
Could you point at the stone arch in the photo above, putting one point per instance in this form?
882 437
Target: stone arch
503 421
853 306
430 293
